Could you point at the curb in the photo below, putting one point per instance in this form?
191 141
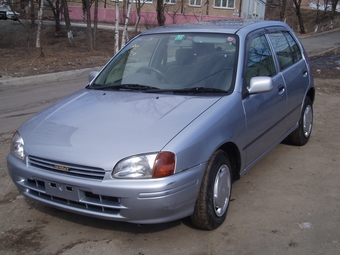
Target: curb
72 74
46 78
313 34
322 52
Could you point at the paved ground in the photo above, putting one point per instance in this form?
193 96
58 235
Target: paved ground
287 204
321 43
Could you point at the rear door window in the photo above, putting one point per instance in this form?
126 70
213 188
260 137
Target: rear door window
287 50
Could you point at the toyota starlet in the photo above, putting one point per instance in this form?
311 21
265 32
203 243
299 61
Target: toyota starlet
167 126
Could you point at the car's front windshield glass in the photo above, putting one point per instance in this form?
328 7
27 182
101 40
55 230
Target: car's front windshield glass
173 62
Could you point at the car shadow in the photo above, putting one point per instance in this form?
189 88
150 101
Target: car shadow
105 224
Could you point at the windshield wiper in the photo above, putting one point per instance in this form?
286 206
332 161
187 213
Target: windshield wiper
200 90
194 90
121 87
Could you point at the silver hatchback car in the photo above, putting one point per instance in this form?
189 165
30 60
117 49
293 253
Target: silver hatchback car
163 130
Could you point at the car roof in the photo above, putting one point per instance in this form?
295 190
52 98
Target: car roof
217 26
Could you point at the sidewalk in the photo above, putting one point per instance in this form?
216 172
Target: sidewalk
315 44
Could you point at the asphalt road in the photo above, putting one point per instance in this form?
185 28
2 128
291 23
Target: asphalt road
320 43
20 102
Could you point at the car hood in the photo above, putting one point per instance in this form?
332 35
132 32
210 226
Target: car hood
98 128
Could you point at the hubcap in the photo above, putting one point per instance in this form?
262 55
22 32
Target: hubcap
222 189
307 121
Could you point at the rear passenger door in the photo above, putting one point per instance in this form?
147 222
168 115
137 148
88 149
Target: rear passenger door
265 112
294 71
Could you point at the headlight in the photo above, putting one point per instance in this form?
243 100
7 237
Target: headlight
146 166
17 146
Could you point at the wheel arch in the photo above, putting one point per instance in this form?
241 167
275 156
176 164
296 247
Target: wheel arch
311 94
233 152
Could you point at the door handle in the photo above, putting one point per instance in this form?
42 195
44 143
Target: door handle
304 73
281 89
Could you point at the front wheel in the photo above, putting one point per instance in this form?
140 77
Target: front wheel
213 199
301 135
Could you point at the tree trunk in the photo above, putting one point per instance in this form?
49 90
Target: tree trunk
297 4
117 28
125 35
95 25
40 17
323 16
334 4
160 13
89 28
32 14
283 8
207 10
301 24
55 7
139 6
68 24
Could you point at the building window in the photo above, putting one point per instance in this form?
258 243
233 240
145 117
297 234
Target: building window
195 2
142 1
170 1
224 3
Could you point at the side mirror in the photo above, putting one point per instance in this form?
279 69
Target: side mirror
93 75
260 84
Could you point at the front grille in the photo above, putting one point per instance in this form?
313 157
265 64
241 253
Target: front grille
66 168
89 201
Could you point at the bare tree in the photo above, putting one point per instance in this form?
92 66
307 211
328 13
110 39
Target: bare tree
32 14
125 34
160 13
172 12
117 27
40 18
88 22
283 7
139 6
95 24
324 13
297 4
55 6
68 24
334 5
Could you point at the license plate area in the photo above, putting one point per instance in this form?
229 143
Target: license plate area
62 190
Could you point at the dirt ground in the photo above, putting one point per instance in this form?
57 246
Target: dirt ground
287 204
19 57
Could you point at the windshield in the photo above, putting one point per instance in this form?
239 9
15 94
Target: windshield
182 62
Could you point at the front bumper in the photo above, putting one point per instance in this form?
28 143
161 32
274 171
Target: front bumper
142 201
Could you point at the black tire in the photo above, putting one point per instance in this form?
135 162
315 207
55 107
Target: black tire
301 135
214 197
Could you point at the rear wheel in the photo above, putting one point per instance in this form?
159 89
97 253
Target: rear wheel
213 199
301 135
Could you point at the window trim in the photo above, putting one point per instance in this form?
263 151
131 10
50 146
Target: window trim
195 5
224 7
249 38
284 32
